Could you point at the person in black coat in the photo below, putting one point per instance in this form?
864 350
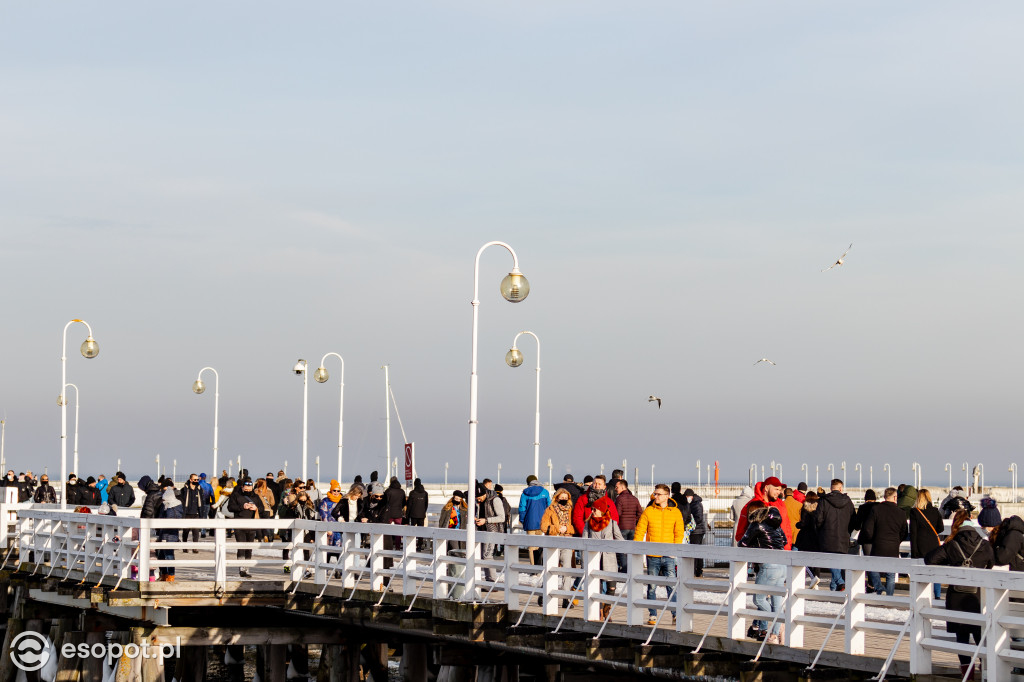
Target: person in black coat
925 528
764 531
244 504
416 504
884 529
89 494
696 508
121 493
45 494
152 505
1008 543
569 485
857 522
965 546
832 518
191 496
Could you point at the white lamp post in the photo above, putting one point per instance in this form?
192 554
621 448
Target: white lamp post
842 465
514 358
90 349
888 470
915 468
805 470
198 387
967 478
949 470
174 470
871 476
3 434
321 376
817 484
1013 481
74 456
698 473
514 288
831 472
652 478
158 465
318 472
860 475
499 473
981 477
302 367
549 473
779 474
752 474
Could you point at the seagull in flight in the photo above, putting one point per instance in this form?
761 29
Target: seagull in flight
764 360
655 399
839 261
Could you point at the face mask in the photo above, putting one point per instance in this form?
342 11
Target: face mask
564 503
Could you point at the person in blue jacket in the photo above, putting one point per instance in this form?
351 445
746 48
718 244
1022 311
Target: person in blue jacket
533 502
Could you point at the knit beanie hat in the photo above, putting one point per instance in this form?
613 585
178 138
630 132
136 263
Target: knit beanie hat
989 516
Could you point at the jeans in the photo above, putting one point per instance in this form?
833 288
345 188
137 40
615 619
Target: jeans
837 579
621 558
875 581
664 566
938 590
770 574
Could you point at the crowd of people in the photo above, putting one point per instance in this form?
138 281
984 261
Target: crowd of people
768 515
773 516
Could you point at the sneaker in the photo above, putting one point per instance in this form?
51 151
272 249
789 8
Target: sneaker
287 568
308 574
841 588
243 573
814 582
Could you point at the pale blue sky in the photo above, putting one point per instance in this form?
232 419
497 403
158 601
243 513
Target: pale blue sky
240 184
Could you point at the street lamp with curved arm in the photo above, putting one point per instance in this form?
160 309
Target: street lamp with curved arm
860 475
967 477
888 470
514 358
322 376
198 387
831 472
752 474
806 471
514 288
90 349
302 367
916 469
1013 481
698 473
842 465
949 470
74 456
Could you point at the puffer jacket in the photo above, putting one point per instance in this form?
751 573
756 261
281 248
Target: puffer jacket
759 494
967 543
629 510
417 502
697 514
660 524
1009 547
835 510
153 503
533 503
954 503
907 500
767 533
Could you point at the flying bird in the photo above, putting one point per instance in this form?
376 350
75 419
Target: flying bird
764 360
653 399
839 261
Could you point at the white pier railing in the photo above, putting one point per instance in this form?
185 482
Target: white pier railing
432 561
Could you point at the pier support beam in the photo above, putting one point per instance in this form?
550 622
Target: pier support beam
192 664
413 667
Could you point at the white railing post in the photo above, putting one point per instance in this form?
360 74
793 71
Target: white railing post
684 594
376 561
921 627
591 585
409 565
997 607
511 574
220 555
856 612
549 580
795 606
635 615
737 597
348 560
144 543
441 589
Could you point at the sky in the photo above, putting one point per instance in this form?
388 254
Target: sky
242 184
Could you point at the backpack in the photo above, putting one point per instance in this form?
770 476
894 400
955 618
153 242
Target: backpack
966 589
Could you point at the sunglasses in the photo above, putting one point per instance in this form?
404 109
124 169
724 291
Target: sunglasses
335 490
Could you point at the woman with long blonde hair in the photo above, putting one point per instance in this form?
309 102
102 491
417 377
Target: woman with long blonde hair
926 527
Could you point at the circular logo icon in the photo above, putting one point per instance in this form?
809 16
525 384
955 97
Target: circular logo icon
30 651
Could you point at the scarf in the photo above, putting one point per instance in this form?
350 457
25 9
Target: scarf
334 497
598 524
453 517
564 512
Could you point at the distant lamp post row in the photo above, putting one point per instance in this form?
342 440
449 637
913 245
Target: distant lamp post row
90 349
514 358
321 375
514 289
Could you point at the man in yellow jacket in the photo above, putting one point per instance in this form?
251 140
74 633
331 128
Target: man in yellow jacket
660 522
